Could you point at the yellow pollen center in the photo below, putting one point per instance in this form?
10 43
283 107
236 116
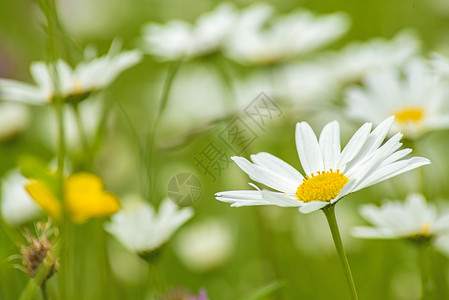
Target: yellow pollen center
409 114
324 186
77 86
425 228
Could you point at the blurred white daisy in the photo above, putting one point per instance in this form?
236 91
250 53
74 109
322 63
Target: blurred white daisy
412 219
330 174
90 113
440 64
206 245
141 230
74 84
258 39
17 205
178 39
354 61
14 118
417 98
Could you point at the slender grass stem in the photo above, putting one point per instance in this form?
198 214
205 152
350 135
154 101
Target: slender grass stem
423 261
329 212
44 290
82 134
171 74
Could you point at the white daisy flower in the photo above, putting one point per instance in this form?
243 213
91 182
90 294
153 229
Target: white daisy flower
259 40
141 230
354 61
17 207
417 98
206 245
14 118
178 39
414 219
74 84
330 174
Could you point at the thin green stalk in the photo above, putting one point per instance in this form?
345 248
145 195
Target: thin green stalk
423 261
329 212
82 133
224 72
49 9
171 74
44 290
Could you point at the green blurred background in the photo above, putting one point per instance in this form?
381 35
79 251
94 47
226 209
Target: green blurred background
270 244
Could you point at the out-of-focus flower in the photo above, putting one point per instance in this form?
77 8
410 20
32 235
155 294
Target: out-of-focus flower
331 173
307 83
179 39
183 294
353 62
14 118
17 206
141 230
413 219
257 39
84 198
440 64
205 246
90 113
74 85
417 99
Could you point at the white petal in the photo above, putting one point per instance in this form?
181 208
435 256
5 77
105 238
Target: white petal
392 170
330 144
277 165
372 233
312 206
374 140
354 145
308 149
264 176
252 198
441 225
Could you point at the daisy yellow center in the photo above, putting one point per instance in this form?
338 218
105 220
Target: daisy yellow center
409 114
425 228
323 186
77 86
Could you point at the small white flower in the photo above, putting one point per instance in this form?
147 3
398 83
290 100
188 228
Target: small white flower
259 40
417 99
206 245
179 39
330 174
14 118
17 205
413 219
354 61
74 84
141 230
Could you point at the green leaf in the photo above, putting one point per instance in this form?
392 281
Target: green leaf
265 291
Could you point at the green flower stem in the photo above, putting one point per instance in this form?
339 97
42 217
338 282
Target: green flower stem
423 261
329 212
44 291
171 74
225 73
39 279
82 133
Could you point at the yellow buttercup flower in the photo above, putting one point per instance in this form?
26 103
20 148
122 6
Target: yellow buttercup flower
45 198
84 198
